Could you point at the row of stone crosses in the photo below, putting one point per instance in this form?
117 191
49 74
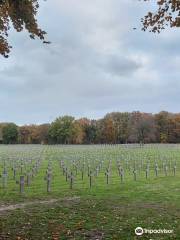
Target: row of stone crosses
84 169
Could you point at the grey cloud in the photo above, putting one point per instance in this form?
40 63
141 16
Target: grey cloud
95 64
120 65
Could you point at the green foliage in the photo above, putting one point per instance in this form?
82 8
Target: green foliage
91 132
10 133
61 130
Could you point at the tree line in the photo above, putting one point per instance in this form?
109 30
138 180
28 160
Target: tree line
113 128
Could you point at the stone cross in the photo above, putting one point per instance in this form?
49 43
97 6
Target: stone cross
97 171
71 177
156 169
165 170
135 174
174 170
48 179
14 173
90 178
21 182
121 173
4 178
66 171
107 174
82 173
88 169
147 171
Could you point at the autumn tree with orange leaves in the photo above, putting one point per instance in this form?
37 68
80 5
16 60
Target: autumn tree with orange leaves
167 14
21 14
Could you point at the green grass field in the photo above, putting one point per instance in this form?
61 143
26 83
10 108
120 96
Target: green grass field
147 194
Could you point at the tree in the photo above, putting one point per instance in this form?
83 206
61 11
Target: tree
77 133
145 129
167 14
2 125
34 134
92 132
24 133
162 122
43 130
108 134
174 128
142 128
121 125
61 130
10 133
89 128
22 14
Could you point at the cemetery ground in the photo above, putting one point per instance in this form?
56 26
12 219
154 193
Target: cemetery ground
89 192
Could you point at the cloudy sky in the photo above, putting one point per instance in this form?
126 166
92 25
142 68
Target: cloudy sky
96 64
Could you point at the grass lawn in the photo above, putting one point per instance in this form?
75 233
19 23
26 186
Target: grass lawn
104 211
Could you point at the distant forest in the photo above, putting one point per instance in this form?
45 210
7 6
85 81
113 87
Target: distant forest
114 128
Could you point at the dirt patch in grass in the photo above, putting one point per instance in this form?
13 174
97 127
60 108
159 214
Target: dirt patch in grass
94 235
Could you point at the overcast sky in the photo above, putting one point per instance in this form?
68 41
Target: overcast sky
95 64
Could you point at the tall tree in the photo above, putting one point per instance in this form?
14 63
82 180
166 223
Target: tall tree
145 128
162 126
77 133
174 128
90 130
33 134
2 125
61 130
43 130
108 132
24 135
10 133
142 128
121 125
